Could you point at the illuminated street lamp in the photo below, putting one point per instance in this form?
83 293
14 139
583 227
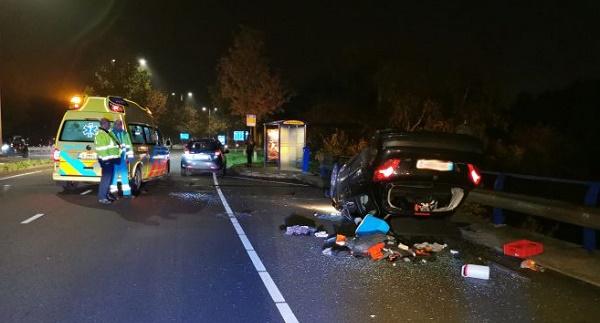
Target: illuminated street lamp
190 94
113 60
143 62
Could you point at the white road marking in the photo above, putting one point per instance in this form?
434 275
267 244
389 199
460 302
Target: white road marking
33 218
86 192
19 175
266 180
283 307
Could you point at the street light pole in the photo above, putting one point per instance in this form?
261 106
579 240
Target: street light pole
1 142
204 109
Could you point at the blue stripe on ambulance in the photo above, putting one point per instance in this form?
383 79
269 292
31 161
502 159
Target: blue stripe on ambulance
78 165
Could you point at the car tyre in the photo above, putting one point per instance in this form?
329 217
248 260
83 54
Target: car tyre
70 187
136 182
184 171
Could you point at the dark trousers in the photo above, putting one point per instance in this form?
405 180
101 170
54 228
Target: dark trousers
105 180
249 158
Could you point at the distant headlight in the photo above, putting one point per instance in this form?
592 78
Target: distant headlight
5 148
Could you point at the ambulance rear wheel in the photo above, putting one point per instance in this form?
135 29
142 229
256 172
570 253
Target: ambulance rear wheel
70 186
136 182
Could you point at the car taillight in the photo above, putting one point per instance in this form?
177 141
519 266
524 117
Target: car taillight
386 170
55 154
474 174
217 153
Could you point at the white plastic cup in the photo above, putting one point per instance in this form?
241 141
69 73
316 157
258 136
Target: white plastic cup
475 271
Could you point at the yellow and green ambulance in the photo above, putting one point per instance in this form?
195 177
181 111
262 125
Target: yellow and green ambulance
74 153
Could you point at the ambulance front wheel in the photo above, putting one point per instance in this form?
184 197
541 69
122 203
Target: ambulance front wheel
136 182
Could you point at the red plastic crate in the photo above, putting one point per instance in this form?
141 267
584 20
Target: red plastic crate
523 248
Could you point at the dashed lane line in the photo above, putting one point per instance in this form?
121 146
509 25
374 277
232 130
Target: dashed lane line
85 192
33 218
19 175
283 307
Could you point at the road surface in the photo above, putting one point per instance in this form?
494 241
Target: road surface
176 254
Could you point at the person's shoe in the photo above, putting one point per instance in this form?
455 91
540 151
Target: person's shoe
111 197
104 201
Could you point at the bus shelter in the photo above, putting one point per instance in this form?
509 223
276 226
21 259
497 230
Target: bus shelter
284 143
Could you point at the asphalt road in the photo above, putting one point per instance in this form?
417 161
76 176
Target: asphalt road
174 255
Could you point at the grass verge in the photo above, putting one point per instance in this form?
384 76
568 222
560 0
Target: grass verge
12 166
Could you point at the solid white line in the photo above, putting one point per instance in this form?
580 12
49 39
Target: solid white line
33 218
283 307
86 192
266 180
19 175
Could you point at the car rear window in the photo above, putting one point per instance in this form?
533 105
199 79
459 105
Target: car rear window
203 145
79 130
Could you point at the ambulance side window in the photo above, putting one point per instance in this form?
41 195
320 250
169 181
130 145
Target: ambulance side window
159 137
136 133
150 135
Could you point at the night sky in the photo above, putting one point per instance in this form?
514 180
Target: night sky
48 47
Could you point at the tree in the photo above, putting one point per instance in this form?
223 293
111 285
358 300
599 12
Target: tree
245 79
189 121
121 78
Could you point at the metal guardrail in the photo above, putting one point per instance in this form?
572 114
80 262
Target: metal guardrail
586 215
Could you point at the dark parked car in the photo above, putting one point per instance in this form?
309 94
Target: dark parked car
17 145
408 174
204 155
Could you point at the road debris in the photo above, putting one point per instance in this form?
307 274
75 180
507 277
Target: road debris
300 230
532 265
523 248
375 251
475 271
321 234
372 225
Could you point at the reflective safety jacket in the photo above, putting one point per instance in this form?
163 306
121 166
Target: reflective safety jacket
123 138
107 145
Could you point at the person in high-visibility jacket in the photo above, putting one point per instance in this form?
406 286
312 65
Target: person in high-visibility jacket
121 171
108 152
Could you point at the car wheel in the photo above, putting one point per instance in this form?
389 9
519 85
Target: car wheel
184 171
136 182
70 186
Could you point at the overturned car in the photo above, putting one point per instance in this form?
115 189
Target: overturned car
414 174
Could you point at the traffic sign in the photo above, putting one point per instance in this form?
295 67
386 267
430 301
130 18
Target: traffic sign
251 120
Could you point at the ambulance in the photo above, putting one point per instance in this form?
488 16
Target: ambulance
74 155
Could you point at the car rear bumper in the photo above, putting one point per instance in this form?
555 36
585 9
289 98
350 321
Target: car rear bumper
65 178
422 199
202 165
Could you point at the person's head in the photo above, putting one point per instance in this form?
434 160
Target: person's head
118 125
104 124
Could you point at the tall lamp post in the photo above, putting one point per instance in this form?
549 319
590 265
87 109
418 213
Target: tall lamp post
205 109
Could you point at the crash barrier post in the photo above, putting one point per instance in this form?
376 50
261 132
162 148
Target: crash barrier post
305 159
498 213
591 199
587 216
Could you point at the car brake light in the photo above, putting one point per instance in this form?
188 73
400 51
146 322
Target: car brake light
55 154
474 174
217 153
386 170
